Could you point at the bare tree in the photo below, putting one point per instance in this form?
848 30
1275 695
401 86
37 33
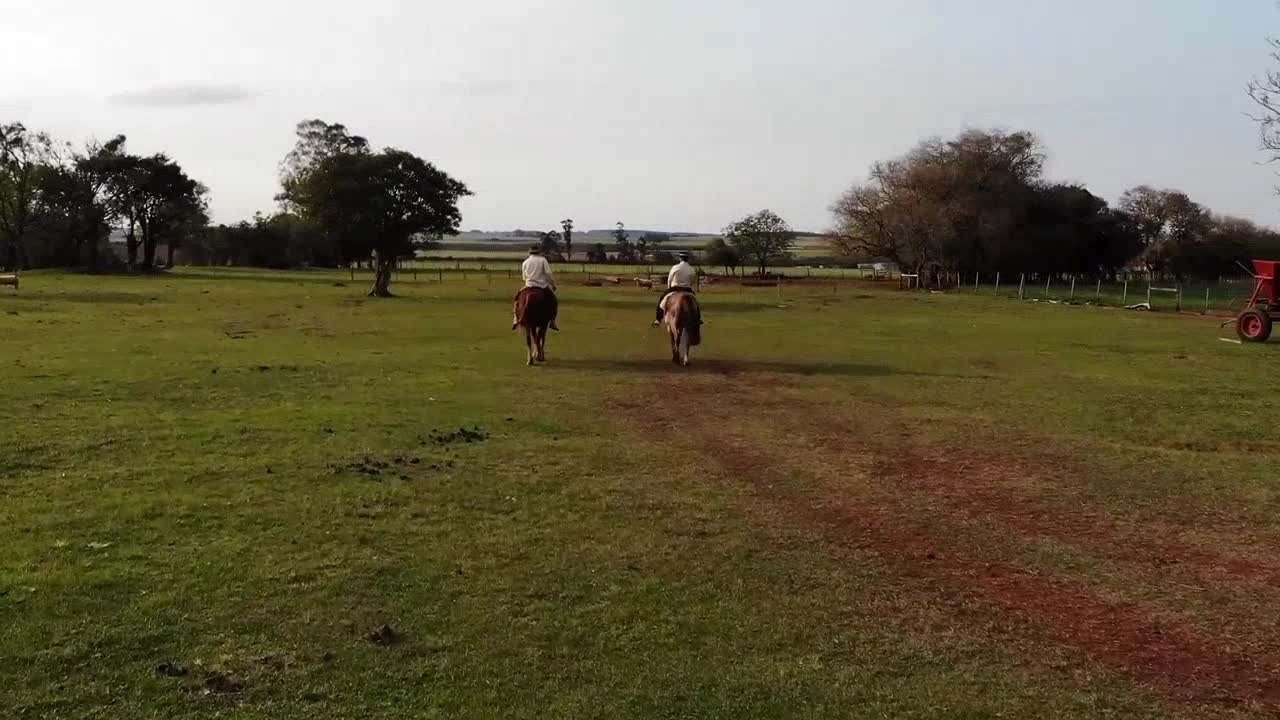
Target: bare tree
1265 93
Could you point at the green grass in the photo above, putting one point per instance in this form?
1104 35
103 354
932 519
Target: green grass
180 481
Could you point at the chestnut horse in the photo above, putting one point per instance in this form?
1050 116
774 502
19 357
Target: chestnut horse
683 320
534 310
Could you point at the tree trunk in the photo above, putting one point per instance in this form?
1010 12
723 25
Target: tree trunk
148 246
382 267
131 244
93 254
169 260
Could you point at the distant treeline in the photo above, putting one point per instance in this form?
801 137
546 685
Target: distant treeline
980 203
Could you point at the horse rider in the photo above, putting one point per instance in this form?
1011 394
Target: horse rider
682 278
537 274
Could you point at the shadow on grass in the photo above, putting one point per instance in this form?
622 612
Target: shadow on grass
730 368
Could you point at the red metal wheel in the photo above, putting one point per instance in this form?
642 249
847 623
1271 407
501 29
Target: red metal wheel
1254 325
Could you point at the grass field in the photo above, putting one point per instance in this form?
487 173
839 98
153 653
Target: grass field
214 486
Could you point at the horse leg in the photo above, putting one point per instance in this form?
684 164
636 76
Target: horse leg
675 347
528 342
684 348
542 343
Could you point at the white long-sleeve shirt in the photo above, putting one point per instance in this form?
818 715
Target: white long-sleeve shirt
682 275
537 273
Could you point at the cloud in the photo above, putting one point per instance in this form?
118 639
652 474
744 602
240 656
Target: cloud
185 96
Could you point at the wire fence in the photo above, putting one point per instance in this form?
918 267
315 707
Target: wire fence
622 270
1226 295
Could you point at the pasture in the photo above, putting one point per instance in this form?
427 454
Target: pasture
246 494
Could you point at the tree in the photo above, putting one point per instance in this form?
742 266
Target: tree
648 244
597 254
551 246
371 204
24 156
763 237
1265 93
567 226
1167 224
623 246
721 254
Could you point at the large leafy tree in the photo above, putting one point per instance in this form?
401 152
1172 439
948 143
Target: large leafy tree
24 157
155 200
1170 227
763 237
381 204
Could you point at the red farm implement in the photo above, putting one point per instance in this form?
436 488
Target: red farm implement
1254 322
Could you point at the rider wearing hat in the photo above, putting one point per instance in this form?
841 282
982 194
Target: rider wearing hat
682 278
537 273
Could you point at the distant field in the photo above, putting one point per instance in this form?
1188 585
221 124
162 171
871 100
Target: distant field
216 487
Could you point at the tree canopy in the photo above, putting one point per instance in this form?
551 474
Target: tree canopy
379 204
762 237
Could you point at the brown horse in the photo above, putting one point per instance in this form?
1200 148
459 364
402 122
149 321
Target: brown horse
534 311
683 320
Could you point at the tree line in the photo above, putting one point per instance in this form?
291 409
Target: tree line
979 203
59 204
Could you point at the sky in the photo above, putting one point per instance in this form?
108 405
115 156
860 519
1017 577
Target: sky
663 114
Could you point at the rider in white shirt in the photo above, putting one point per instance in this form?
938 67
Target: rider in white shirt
682 278
537 273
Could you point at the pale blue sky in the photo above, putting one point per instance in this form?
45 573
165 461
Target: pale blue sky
677 114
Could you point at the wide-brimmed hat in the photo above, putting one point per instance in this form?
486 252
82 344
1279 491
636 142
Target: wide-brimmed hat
683 254
535 249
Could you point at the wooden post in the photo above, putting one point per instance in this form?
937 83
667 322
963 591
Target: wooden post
1149 296
1206 301
976 278
352 268
441 272
1022 287
1047 283
1099 297
1179 297
1073 288
1125 299
997 283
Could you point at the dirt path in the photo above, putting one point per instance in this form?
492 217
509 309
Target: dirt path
962 532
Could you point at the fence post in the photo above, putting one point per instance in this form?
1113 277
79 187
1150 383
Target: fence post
1022 287
1099 298
1073 288
352 268
1179 297
1125 299
997 283
1047 283
1149 296
977 277
1206 301
441 272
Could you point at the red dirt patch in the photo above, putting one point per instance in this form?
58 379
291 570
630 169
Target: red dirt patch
917 515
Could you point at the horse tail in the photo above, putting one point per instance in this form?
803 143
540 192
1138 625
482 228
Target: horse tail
691 319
